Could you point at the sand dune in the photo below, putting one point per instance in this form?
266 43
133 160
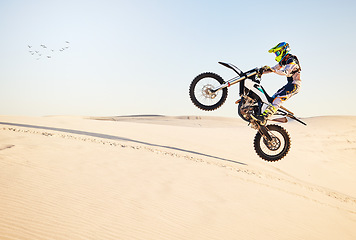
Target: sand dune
163 177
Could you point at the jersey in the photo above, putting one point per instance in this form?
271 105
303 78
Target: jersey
290 68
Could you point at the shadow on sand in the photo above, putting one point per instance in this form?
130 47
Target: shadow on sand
111 137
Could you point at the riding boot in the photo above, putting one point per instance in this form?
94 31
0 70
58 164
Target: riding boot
270 110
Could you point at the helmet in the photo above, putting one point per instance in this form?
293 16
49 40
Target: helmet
281 50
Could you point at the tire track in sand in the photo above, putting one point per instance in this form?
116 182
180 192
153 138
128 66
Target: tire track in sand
348 203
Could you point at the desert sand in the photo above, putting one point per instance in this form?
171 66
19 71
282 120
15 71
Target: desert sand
165 177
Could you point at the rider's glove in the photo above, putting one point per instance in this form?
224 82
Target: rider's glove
266 69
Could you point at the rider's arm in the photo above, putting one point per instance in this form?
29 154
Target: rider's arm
286 70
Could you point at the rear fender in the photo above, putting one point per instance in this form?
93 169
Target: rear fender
233 67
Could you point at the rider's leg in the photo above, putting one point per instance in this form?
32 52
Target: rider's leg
279 97
270 110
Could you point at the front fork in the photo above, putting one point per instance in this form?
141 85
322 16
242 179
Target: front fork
256 125
263 130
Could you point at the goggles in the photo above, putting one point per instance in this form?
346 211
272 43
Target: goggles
281 50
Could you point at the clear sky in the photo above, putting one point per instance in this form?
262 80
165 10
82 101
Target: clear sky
139 57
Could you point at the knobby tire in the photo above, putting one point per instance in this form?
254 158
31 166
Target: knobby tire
270 157
194 98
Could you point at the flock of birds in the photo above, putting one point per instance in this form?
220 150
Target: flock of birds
46 52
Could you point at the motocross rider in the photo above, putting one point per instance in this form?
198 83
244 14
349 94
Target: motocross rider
288 65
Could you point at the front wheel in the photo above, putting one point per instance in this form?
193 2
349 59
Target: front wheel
200 94
277 148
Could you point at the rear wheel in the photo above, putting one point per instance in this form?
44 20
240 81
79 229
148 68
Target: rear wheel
275 149
201 95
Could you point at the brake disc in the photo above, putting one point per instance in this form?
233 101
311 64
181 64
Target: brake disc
206 91
272 145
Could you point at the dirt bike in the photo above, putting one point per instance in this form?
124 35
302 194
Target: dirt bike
208 91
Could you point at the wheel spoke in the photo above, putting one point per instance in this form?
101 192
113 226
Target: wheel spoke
275 149
201 91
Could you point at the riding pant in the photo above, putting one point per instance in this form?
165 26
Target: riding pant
284 94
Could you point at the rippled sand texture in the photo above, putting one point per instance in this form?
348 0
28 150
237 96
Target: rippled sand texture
160 177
